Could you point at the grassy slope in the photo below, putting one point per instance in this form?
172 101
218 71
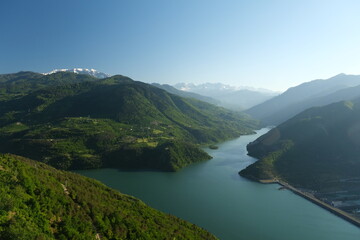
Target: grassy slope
316 149
40 202
113 122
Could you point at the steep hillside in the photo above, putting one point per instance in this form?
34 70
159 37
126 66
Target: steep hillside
306 95
317 149
114 122
39 202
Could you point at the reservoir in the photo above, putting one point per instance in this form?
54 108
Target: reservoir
212 195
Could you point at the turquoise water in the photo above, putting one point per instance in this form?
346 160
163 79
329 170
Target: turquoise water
212 195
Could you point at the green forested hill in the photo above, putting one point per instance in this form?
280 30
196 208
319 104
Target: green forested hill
114 122
40 202
317 149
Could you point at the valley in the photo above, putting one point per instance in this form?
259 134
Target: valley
212 195
73 122
179 120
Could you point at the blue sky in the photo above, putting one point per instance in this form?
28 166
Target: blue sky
273 44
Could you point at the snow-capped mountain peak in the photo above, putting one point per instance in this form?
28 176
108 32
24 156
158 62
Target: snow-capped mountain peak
218 88
91 72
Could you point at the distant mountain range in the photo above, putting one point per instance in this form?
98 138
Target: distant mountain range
306 95
216 87
186 94
91 72
235 98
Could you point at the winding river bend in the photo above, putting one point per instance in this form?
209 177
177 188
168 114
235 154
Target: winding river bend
212 195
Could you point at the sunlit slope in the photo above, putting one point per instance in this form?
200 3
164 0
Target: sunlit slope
40 202
114 122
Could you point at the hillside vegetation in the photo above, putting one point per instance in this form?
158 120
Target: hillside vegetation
114 122
40 202
318 149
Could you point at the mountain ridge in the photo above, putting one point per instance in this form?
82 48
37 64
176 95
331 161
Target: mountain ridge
186 94
218 86
231 97
113 122
279 108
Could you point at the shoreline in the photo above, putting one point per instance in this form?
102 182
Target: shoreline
340 213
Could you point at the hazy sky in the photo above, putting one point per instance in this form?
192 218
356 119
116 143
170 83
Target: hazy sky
260 43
